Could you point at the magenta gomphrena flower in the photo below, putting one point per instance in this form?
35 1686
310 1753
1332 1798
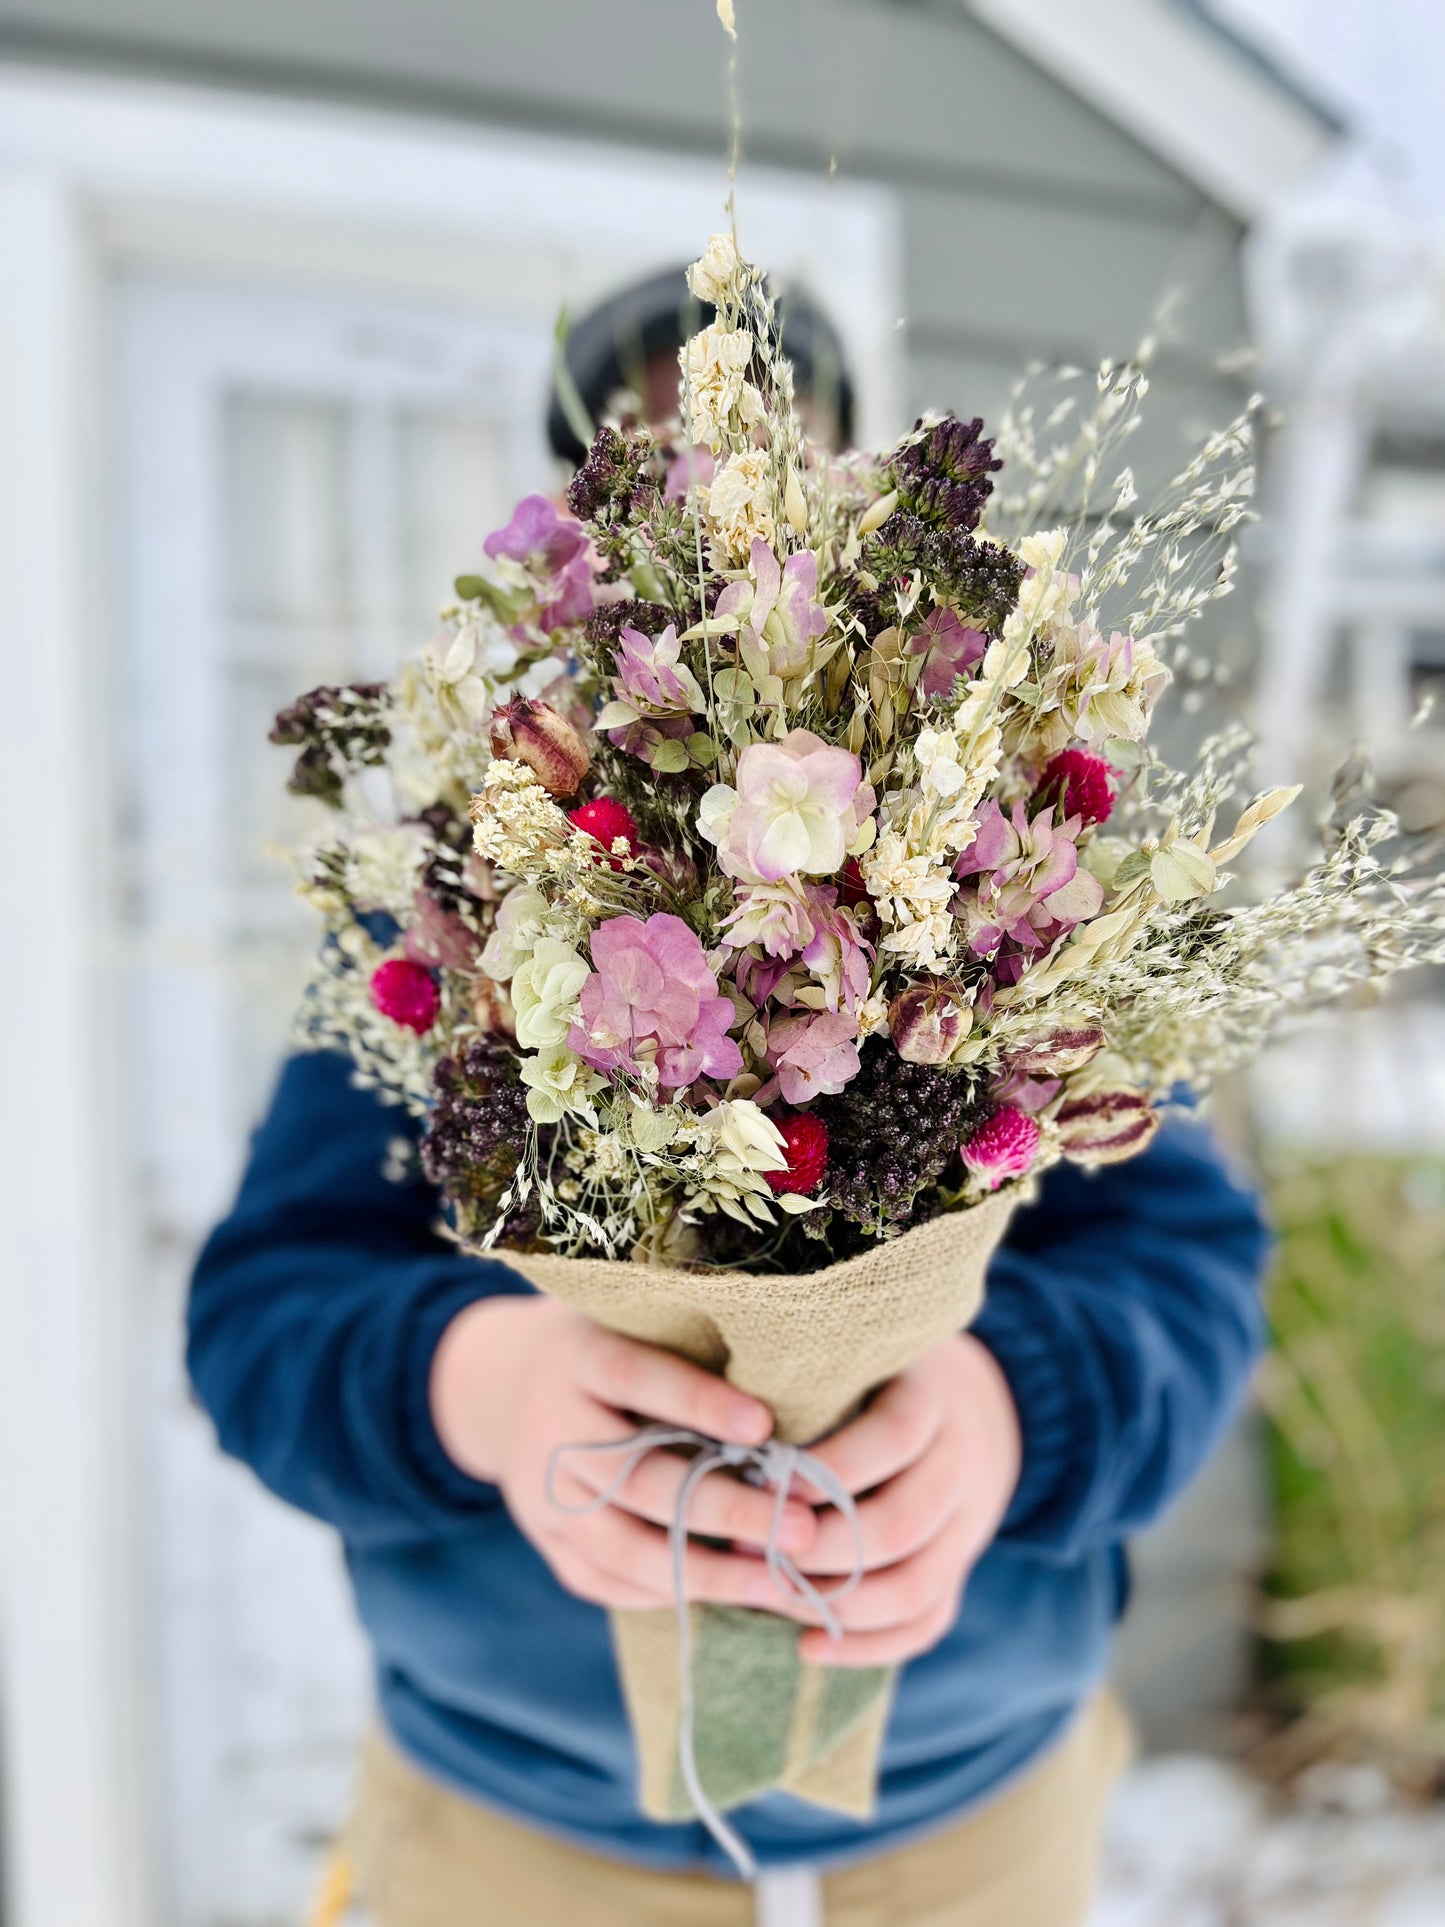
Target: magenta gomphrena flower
652 999
406 993
799 808
1077 783
1002 1147
552 548
805 1138
606 820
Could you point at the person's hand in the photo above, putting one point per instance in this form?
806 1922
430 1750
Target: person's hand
514 1378
938 1453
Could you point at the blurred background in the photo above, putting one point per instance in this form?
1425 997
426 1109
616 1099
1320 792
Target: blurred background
279 288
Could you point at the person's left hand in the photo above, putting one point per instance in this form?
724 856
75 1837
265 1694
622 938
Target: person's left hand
938 1453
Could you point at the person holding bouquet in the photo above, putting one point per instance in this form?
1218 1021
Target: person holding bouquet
424 1402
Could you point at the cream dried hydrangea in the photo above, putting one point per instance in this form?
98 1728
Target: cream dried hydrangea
559 1085
740 506
546 986
1098 688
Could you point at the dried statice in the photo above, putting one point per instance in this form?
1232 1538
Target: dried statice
339 730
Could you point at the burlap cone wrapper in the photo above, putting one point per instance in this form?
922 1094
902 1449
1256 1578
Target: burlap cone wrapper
812 1346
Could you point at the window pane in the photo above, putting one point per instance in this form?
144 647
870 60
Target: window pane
452 481
285 478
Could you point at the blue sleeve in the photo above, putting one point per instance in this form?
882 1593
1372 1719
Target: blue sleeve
1125 1312
315 1309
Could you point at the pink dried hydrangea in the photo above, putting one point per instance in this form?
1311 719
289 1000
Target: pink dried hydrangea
781 617
948 648
813 1056
553 548
652 999
650 676
838 955
798 807
781 918
1030 886
1002 1147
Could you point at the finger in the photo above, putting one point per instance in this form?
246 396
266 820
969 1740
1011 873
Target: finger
898 1520
591 1582
641 1378
898 1427
621 1544
888 1648
721 1507
903 1593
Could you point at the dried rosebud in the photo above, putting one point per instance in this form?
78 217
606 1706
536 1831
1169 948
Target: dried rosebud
1106 1126
531 732
929 1021
1057 1051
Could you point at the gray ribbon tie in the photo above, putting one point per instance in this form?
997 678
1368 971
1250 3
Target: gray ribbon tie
770 1464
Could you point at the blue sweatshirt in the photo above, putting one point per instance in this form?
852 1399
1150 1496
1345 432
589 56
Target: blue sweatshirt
1123 1309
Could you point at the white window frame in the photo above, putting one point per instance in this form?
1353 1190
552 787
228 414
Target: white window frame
97 174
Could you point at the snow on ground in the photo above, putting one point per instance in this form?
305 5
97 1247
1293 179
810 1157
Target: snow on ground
1195 1842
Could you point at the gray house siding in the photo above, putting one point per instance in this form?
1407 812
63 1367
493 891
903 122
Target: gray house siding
1032 225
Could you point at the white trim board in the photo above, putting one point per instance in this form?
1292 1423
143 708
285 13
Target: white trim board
171 173
1177 86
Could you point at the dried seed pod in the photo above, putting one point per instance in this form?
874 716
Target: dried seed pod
929 1021
1106 1126
1057 1051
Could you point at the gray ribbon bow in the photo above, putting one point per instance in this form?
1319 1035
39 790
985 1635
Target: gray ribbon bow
770 1464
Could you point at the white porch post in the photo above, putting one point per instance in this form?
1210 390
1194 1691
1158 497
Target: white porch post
1319 454
74 1832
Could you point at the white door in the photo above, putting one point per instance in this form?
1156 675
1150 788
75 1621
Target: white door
299 476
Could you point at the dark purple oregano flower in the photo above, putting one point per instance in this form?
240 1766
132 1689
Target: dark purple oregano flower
942 473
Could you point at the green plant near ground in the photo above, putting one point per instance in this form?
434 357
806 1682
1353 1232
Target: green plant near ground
1355 1389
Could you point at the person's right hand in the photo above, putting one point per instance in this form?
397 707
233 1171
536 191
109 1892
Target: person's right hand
514 1378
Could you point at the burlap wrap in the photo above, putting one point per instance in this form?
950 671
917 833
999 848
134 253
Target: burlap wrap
813 1346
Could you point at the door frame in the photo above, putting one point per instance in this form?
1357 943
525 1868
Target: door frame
97 175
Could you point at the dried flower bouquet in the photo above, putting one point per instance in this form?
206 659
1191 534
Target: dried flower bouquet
768 858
